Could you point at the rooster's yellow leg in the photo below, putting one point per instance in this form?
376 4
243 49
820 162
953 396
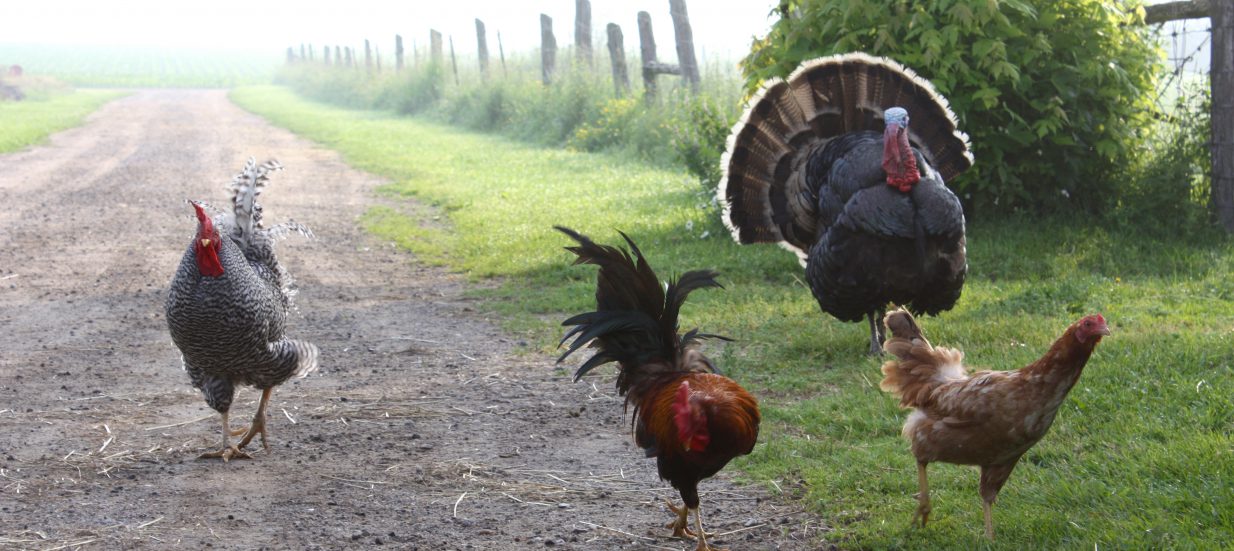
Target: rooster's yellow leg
259 422
228 451
679 524
702 536
923 497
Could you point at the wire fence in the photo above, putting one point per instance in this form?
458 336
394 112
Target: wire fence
1188 47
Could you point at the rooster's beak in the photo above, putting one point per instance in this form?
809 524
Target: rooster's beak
206 243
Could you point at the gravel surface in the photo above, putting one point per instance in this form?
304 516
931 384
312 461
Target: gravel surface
425 428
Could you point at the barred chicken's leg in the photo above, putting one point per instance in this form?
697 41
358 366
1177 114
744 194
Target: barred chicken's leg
923 497
259 422
679 525
228 451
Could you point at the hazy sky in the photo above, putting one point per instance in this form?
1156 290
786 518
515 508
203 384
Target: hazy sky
721 27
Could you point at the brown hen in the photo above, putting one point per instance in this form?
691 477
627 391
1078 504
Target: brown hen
988 418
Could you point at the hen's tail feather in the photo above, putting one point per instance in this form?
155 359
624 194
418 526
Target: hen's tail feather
301 356
243 192
766 195
635 322
919 367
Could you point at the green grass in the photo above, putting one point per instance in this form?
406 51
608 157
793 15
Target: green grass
24 123
1140 456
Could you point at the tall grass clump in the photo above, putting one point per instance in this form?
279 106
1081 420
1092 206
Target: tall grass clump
580 110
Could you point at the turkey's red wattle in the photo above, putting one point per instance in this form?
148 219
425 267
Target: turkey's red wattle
898 160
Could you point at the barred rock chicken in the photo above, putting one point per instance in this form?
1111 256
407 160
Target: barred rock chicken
866 211
988 418
227 308
690 418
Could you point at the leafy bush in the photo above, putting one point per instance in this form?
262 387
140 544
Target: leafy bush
699 141
1054 93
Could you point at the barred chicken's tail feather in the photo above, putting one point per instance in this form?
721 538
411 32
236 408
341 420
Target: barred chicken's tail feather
243 192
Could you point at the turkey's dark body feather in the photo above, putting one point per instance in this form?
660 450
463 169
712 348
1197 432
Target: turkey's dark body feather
878 245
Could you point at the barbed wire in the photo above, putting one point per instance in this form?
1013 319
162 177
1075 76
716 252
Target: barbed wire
1179 58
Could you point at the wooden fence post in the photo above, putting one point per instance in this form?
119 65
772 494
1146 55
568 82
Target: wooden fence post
327 59
548 49
482 49
502 51
338 57
453 61
310 52
617 53
685 43
1221 76
398 53
368 56
302 55
291 56
582 32
349 59
647 49
415 53
434 39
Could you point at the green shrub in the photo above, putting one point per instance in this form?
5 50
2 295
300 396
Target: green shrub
1171 191
1054 93
700 139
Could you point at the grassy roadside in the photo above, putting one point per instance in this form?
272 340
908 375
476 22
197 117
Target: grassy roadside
24 123
1141 454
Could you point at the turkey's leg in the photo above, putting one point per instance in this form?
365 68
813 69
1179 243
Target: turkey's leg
259 422
228 451
876 333
679 525
923 497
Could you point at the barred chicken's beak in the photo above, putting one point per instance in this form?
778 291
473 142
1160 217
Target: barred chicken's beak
205 242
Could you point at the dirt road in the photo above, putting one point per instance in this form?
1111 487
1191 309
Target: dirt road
422 429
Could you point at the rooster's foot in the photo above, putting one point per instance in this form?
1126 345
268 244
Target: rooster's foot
226 454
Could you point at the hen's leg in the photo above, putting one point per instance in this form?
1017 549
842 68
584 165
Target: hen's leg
987 509
679 524
992 479
259 422
923 496
227 452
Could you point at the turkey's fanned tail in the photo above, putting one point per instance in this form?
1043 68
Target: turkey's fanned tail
766 193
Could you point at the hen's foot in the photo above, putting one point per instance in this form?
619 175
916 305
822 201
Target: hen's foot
923 513
226 454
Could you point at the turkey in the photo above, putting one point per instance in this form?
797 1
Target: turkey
227 308
826 164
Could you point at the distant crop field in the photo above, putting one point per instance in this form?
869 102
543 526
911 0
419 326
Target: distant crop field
140 67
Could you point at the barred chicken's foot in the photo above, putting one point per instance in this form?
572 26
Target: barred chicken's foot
226 454
259 423
258 427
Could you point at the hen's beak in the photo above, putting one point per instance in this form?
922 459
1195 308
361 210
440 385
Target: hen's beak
1104 330
206 243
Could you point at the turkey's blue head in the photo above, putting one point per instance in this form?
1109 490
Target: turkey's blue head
898 160
206 244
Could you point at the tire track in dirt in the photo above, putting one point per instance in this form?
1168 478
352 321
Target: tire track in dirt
424 428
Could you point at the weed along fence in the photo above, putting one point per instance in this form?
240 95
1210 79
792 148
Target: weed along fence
584 53
1221 17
